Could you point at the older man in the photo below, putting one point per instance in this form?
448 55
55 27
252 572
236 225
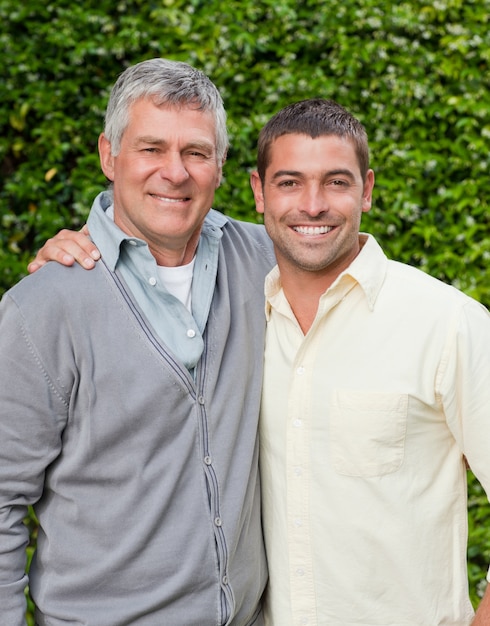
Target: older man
130 394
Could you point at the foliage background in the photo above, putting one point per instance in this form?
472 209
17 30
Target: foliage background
415 72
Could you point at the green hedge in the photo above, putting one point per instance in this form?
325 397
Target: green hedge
416 73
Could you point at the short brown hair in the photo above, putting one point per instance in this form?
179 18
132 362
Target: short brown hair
313 117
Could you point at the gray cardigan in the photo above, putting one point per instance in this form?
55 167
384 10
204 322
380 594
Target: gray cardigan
145 482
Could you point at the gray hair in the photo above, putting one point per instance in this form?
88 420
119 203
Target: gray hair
164 82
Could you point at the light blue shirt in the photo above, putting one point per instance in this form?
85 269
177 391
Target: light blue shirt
179 329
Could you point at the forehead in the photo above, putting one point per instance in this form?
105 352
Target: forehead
300 152
167 122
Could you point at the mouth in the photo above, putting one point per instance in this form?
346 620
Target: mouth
312 230
169 199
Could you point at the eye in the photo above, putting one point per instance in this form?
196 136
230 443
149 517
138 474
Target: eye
198 154
287 183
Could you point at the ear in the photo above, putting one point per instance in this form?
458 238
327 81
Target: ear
106 158
367 193
220 172
258 191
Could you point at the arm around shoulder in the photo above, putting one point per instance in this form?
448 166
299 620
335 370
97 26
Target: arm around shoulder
66 247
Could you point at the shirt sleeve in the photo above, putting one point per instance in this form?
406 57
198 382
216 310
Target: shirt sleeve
466 387
29 440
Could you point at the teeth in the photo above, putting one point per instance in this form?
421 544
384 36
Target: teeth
312 230
165 199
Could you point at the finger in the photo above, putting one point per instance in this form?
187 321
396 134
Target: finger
67 247
34 266
59 256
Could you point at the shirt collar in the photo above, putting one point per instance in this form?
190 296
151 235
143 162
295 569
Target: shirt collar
368 270
108 237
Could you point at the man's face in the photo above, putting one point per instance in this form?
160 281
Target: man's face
312 200
164 177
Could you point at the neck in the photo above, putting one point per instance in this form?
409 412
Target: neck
174 254
167 257
303 288
303 291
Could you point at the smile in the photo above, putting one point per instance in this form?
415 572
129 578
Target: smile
167 199
312 230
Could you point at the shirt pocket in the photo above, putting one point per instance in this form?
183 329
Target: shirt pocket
367 432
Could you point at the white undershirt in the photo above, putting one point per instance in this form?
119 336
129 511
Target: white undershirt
178 281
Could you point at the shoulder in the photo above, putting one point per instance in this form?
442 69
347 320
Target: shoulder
57 305
423 290
53 286
247 240
250 246
253 234
410 276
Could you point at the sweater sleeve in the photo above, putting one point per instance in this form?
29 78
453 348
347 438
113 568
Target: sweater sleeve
30 439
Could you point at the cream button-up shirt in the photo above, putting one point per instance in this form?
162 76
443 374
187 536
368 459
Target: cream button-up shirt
365 421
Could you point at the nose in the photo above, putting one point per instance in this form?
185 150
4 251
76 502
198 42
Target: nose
173 169
314 200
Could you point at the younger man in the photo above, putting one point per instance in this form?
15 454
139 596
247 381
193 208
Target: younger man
376 388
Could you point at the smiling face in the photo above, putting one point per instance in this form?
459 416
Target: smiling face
164 177
312 198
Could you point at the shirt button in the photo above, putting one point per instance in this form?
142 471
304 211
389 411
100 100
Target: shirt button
297 423
217 521
207 460
298 471
200 399
152 280
301 370
225 580
300 572
191 333
132 242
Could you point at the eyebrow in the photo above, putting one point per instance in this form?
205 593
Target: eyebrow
328 174
148 139
281 173
159 141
